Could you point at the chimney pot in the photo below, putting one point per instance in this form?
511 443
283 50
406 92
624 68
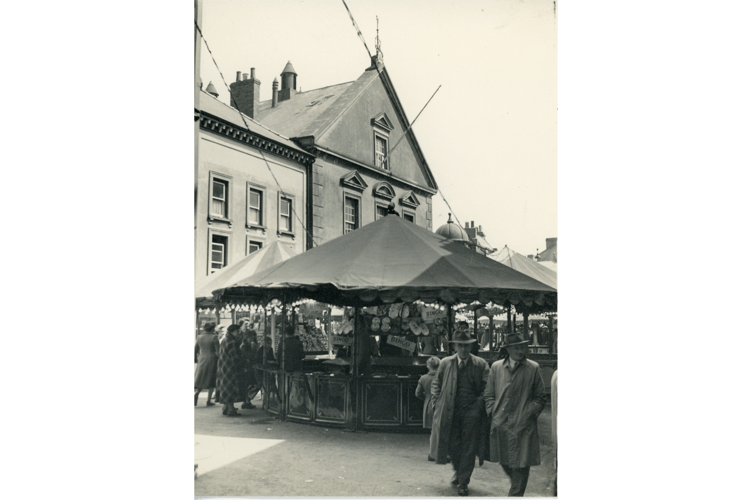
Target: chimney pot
237 77
472 223
467 225
253 73
245 76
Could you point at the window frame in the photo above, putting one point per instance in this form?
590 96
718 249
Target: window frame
261 190
409 213
379 204
227 180
380 135
228 237
284 196
249 239
358 215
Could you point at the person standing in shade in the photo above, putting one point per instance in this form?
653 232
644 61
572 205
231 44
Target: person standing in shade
423 392
554 414
206 368
515 396
457 397
294 353
230 371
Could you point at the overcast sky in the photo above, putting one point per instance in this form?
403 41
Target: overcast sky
489 135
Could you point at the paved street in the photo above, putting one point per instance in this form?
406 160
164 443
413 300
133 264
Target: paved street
256 455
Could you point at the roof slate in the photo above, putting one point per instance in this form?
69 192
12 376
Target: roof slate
213 106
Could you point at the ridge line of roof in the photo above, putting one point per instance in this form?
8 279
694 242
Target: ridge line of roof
314 90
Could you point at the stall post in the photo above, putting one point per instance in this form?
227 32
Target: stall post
282 387
475 324
509 318
328 328
491 330
525 328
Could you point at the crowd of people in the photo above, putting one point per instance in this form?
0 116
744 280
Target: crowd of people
230 361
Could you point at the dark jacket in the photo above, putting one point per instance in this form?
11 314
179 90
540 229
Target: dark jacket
293 354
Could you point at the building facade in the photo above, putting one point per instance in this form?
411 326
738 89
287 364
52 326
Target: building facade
251 187
351 129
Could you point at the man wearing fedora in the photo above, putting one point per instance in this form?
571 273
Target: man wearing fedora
515 396
457 396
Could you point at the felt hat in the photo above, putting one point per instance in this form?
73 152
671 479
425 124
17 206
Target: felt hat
514 339
463 337
209 327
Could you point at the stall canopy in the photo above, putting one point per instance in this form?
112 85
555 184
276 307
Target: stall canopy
527 266
390 260
267 256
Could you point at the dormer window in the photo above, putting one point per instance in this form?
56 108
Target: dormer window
382 126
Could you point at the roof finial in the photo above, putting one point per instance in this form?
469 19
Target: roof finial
379 54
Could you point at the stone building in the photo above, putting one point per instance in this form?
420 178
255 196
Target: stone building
252 186
350 129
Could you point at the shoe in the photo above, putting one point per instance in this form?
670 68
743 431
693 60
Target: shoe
224 410
195 399
209 403
431 459
233 413
455 482
247 406
462 491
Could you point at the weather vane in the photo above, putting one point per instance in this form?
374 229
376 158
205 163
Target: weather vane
379 54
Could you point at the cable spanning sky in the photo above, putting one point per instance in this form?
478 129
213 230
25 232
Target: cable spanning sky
489 135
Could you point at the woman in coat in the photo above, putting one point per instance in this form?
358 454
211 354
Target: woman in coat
423 392
230 371
206 369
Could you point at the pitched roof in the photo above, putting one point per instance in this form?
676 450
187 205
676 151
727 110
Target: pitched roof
211 105
314 112
304 113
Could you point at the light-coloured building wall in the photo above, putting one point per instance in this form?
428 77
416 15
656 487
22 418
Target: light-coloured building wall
243 165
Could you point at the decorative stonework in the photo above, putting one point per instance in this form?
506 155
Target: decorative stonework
354 180
410 200
384 190
246 137
382 121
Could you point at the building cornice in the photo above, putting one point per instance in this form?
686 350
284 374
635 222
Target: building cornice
233 132
309 145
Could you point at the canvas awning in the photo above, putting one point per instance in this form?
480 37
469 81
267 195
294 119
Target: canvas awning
390 260
527 266
267 256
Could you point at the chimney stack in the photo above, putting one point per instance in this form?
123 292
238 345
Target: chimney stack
550 242
275 85
246 94
289 82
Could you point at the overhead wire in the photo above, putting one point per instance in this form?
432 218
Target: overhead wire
242 117
360 35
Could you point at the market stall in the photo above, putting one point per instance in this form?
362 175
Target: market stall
400 286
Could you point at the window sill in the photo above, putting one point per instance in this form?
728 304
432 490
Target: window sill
286 233
214 218
255 226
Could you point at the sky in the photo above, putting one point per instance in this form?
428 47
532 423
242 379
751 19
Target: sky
490 133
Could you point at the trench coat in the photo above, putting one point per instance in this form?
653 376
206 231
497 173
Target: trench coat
206 370
514 399
443 390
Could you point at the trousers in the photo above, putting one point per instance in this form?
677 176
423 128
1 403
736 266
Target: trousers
463 442
518 476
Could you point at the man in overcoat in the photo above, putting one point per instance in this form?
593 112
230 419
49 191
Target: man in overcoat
515 396
457 396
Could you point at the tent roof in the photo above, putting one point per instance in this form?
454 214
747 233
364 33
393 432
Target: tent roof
390 260
527 266
263 258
